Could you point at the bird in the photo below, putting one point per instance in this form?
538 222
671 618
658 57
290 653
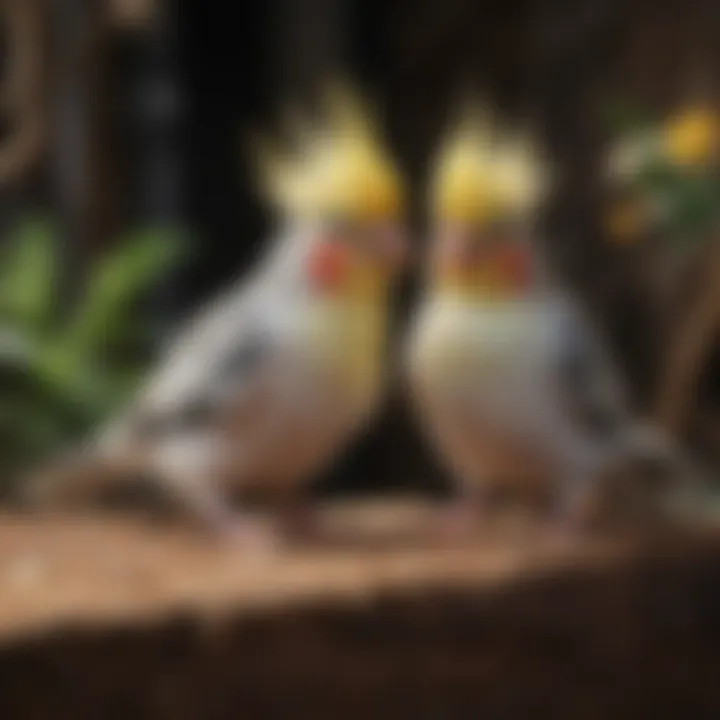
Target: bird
266 385
509 378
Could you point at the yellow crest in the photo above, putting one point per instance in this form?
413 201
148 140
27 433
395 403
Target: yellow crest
481 173
335 166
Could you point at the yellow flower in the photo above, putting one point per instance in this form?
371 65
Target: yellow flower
691 137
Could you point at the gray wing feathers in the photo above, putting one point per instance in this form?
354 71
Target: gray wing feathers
210 365
590 387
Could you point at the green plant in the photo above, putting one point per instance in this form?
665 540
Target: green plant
63 370
671 169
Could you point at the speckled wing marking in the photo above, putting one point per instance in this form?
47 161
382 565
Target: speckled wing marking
228 381
589 384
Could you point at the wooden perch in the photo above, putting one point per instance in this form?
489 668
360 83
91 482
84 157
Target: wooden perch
106 619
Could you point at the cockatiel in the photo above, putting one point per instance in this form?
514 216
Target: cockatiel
271 381
507 376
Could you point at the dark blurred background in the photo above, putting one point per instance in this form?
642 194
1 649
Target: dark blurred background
139 109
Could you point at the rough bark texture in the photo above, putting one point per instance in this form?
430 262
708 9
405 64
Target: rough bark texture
116 621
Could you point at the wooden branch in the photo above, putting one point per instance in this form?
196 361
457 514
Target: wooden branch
687 351
22 94
98 615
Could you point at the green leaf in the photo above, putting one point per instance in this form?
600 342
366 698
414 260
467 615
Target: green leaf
15 347
692 209
28 270
115 286
57 384
29 432
659 177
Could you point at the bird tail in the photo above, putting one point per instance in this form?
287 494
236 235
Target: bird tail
76 478
660 454
104 462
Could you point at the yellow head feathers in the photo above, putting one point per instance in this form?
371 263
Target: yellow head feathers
337 166
481 174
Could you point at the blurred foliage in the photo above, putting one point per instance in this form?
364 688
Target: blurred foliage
671 167
689 200
622 116
65 369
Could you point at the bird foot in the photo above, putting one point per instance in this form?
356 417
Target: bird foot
572 521
302 524
460 522
252 535
563 532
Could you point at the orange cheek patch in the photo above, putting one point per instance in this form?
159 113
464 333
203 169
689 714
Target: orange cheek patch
515 267
328 266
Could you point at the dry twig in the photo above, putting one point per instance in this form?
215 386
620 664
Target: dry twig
688 351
